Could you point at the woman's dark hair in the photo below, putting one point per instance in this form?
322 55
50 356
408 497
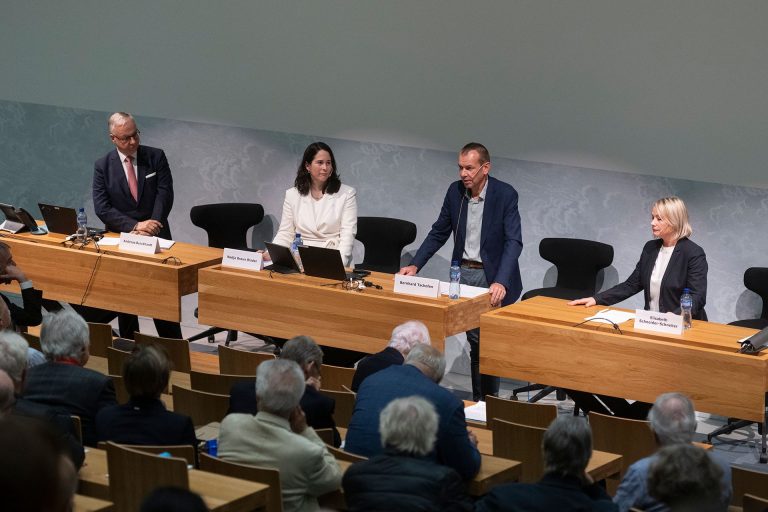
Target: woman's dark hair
146 372
304 180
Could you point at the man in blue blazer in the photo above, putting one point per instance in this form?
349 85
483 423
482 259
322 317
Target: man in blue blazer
481 213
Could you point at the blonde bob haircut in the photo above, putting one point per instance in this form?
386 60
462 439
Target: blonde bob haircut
674 211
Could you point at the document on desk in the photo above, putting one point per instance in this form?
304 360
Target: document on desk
610 316
466 291
475 412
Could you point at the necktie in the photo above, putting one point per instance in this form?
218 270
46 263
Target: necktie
133 185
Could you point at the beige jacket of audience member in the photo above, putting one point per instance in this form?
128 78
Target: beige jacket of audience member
307 469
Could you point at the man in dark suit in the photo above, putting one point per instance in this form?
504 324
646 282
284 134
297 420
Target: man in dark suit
62 383
133 193
481 213
404 337
20 316
317 407
423 369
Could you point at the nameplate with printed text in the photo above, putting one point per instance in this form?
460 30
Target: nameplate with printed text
246 260
139 243
421 286
668 323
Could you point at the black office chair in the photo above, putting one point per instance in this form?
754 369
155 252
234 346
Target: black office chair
384 239
578 262
227 225
756 280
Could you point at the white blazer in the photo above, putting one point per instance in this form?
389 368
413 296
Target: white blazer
327 222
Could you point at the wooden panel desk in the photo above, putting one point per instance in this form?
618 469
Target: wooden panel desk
142 284
88 504
220 493
286 305
538 341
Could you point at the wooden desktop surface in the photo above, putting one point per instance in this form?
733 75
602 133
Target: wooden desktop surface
220 493
286 305
143 284
537 340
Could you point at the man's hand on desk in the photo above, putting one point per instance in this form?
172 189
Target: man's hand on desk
147 227
497 293
410 270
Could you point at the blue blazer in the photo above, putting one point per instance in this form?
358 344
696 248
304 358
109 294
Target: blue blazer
113 201
452 447
501 240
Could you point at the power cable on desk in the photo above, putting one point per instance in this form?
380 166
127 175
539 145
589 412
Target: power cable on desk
614 325
90 279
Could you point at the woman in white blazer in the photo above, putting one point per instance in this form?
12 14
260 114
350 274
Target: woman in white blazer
318 206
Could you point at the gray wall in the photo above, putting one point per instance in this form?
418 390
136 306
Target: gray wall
47 154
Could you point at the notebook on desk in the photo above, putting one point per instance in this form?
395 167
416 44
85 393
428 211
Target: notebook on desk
63 220
322 262
282 259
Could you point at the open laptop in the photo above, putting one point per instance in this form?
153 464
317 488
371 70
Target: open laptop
282 259
63 220
322 262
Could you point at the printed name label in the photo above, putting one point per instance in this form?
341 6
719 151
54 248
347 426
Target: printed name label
247 260
421 286
139 243
668 323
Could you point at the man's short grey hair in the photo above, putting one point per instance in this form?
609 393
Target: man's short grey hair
429 357
64 334
408 334
567 446
303 350
409 425
7 392
685 478
119 119
279 386
13 354
673 419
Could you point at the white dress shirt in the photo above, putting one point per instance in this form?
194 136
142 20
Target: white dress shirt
662 260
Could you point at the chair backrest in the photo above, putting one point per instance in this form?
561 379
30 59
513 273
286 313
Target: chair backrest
262 475
521 443
751 503
181 451
77 428
133 474
177 350
384 239
115 360
632 439
220 384
522 413
121 393
240 362
202 407
345 404
756 280
577 261
340 454
747 481
326 434
33 341
227 224
335 377
100 338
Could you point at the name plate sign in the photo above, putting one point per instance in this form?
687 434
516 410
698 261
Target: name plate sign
668 323
139 243
421 286
246 260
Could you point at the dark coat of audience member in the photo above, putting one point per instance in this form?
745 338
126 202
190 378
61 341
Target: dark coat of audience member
375 363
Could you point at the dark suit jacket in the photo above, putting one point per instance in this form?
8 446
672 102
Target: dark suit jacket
687 268
72 390
501 241
144 422
375 363
564 494
30 314
452 447
60 421
317 407
113 201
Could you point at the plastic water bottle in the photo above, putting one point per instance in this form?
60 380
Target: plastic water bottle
686 305
297 242
454 289
81 235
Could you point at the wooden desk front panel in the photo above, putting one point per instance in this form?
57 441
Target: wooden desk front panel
287 305
633 365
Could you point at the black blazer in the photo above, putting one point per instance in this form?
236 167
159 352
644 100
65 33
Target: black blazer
73 390
60 421
113 201
687 268
375 363
144 422
317 407
30 314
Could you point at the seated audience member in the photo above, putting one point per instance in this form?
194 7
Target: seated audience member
31 313
565 486
36 474
420 375
13 361
34 357
62 382
685 479
7 398
317 407
403 338
144 419
278 437
673 421
173 499
403 478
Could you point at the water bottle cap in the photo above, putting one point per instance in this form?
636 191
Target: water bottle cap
81 210
455 263
686 290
